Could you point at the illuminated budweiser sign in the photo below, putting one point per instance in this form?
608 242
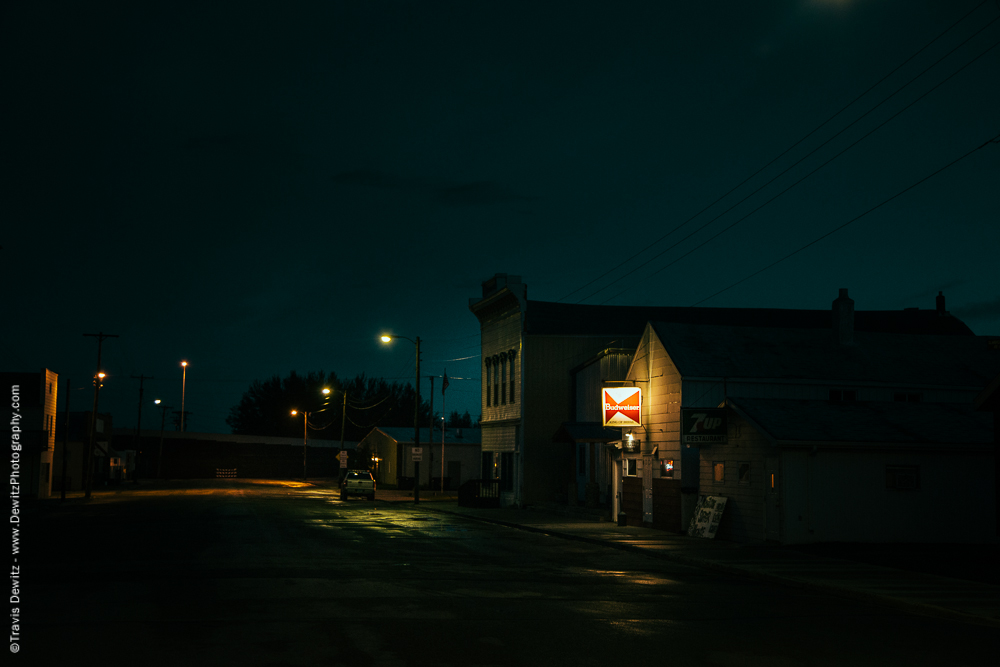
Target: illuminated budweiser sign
621 406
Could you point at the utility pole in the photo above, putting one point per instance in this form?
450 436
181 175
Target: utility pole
163 421
100 336
430 439
343 418
416 431
138 426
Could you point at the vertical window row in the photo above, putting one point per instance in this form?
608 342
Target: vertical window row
498 375
486 381
510 355
503 379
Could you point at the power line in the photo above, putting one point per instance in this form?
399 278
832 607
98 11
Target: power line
758 171
994 140
849 147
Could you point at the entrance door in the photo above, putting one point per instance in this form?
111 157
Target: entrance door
632 500
772 500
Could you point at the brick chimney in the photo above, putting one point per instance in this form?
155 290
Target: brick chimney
940 304
499 281
843 318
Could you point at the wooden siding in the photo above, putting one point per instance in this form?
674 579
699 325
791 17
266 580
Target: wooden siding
667 504
653 370
632 500
500 335
743 519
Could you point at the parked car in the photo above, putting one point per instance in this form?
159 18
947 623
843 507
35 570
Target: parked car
357 483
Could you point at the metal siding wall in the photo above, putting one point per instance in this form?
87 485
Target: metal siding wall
548 466
588 394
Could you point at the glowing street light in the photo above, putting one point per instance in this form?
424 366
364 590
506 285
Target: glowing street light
163 421
184 376
386 338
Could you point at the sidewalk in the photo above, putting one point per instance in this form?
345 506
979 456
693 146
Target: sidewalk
967 601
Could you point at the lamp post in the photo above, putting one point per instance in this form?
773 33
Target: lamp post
163 421
89 479
184 377
416 416
305 439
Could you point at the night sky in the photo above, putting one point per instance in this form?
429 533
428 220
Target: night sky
266 187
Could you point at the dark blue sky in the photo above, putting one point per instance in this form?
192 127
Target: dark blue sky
262 188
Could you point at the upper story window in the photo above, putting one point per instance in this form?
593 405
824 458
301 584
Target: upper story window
486 382
510 355
496 383
503 379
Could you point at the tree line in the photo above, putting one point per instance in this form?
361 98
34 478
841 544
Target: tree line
265 407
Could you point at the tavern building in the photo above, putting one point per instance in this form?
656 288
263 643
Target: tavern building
545 363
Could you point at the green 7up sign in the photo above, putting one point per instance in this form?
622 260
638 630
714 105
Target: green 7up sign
703 426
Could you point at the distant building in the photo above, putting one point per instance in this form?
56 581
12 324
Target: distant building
536 357
388 452
71 445
32 427
192 455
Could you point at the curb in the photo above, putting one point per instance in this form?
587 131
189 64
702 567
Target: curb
901 604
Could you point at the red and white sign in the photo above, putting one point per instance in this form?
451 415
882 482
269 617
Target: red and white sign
621 406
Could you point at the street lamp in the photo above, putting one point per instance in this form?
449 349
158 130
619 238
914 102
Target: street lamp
416 416
98 383
184 378
305 439
163 421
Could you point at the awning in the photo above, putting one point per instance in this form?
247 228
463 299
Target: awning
586 432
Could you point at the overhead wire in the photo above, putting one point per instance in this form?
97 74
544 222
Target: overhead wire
787 150
837 155
994 140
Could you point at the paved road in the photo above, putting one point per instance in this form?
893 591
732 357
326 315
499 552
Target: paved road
287 574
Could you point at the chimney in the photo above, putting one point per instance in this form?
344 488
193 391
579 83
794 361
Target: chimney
940 304
843 318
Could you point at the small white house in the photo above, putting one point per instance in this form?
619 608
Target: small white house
390 452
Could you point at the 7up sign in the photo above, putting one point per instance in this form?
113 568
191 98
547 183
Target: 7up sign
703 426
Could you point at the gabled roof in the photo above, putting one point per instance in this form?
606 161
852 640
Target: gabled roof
404 435
788 421
753 352
551 318
586 432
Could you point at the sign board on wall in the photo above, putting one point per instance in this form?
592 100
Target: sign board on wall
707 515
621 406
703 426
